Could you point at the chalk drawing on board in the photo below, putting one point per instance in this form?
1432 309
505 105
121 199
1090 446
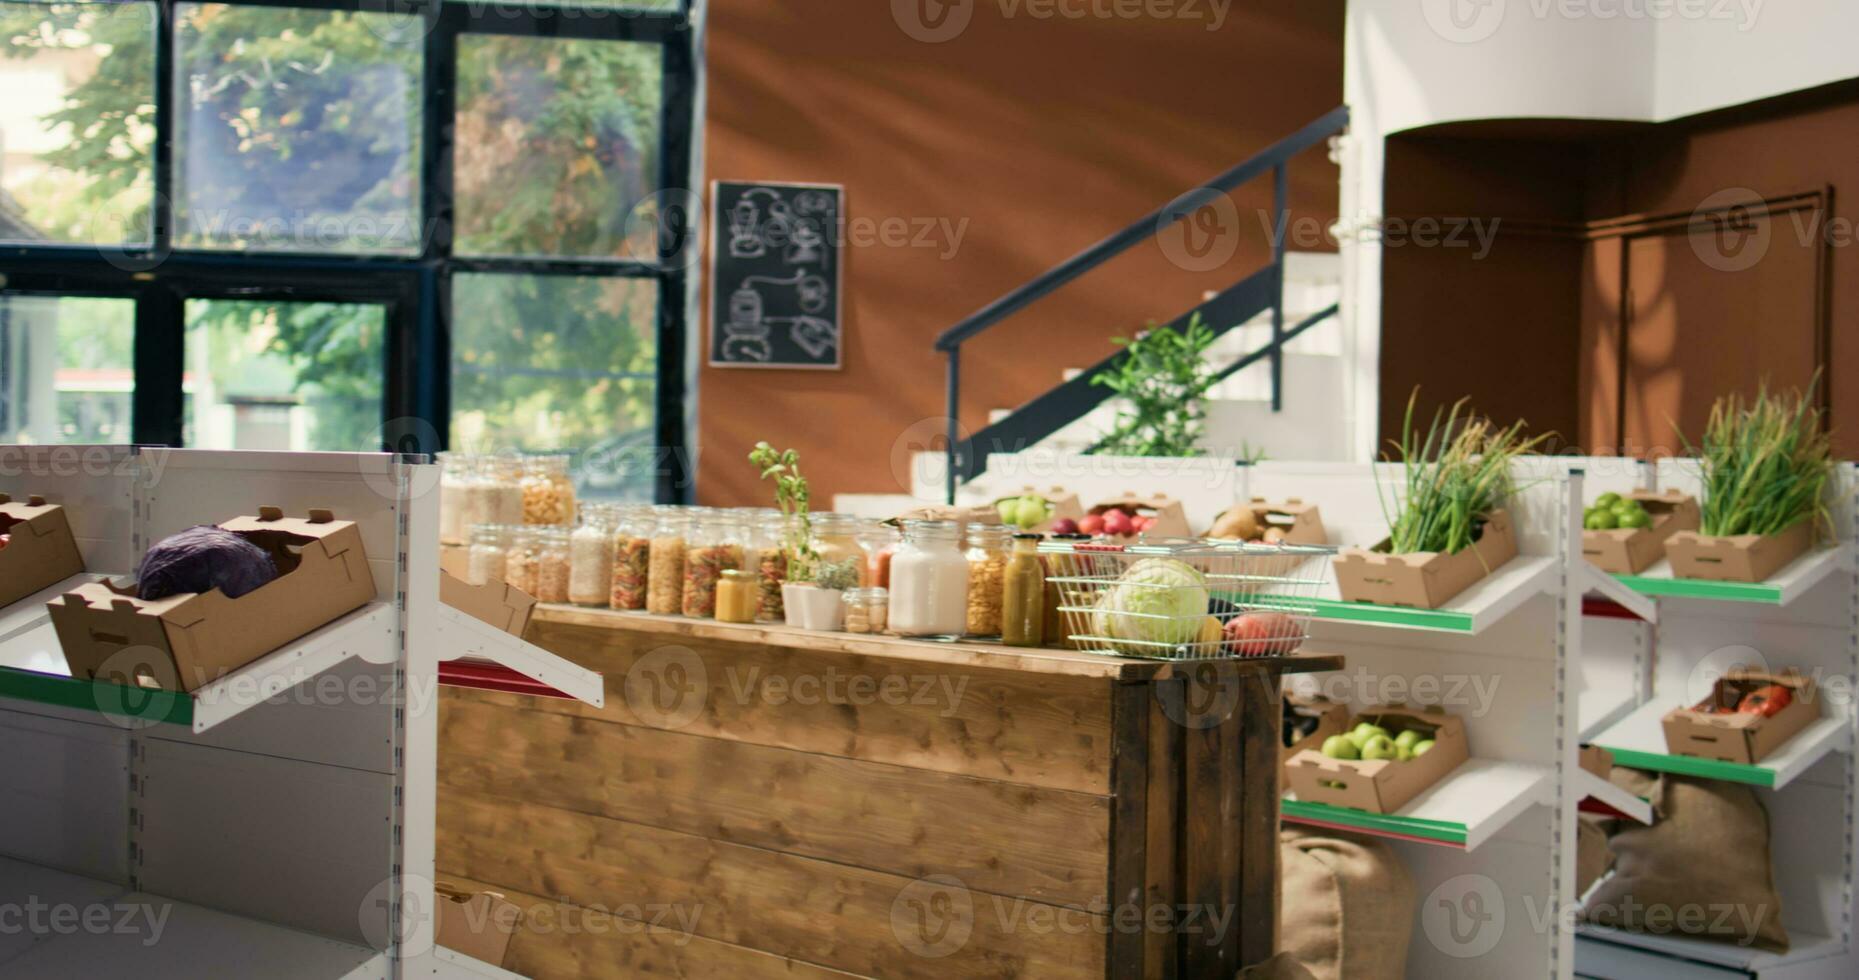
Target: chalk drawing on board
775 283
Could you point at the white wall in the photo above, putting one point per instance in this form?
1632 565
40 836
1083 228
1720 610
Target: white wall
1771 47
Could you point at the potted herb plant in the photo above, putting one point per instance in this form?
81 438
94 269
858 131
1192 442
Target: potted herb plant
1764 465
1448 526
812 595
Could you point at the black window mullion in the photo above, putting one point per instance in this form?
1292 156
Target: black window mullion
161 214
157 407
677 121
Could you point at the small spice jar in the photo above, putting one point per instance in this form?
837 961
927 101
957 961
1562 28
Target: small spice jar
715 546
877 543
632 558
548 491
736 596
554 564
987 566
486 557
769 559
590 574
1023 595
456 471
665 579
523 558
929 581
867 610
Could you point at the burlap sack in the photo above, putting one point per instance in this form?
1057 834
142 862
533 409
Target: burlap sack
1348 908
1593 857
1284 966
1701 870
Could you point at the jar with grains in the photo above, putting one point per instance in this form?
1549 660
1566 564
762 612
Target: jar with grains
714 546
494 494
987 567
456 471
554 564
929 581
1023 595
522 566
665 566
768 542
632 557
835 537
548 491
867 610
736 596
590 576
877 543
485 558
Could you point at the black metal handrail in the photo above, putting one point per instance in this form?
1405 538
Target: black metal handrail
1070 401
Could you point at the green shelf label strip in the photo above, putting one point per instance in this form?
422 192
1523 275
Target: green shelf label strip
1339 611
1691 588
1444 831
1684 765
133 704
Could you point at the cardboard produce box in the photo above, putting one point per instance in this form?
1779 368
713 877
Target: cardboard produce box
1060 503
1425 580
1381 785
186 641
1596 761
1171 521
498 603
1730 735
1740 557
40 551
1332 719
455 558
1290 521
477 924
1629 550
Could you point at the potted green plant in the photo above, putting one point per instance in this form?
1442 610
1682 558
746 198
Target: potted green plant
812 596
1162 383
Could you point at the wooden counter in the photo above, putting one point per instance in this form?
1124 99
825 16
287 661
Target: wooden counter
760 801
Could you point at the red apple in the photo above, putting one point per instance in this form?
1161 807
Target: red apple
1118 524
1092 524
1263 634
1064 525
1142 523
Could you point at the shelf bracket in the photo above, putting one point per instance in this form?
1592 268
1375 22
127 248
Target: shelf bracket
464 637
1617 592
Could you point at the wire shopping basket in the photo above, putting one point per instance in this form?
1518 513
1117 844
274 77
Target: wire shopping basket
1185 599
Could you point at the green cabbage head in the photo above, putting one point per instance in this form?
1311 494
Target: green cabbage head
1157 600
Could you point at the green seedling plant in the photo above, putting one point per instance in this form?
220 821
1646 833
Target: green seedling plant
1452 478
1765 464
836 574
1162 382
791 498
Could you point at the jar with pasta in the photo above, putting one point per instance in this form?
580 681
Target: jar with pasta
522 567
715 546
769 554
456 471
590 575
554 563
484 564
632 557
988 546
665 575
548 491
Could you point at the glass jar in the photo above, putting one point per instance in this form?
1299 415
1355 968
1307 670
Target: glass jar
554 563
495 491
665 575
867 610
835 538
485 560
769 541
1058 565
736 596
877 543
632 557
548 491
987 566
929 581
1023 595
590 573
521 557
456 472
714 546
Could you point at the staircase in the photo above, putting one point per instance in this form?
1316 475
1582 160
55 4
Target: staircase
1256 320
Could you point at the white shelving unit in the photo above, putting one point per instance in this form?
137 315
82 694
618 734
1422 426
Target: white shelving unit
269 826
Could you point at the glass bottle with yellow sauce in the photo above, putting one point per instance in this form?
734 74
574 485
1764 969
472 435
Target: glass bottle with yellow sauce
1023 595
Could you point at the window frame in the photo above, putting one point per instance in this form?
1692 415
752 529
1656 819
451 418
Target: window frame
415 288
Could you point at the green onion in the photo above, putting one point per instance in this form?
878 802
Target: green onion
1453 477
1764 463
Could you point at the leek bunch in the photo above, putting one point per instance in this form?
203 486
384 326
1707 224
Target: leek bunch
1453 477
1765 464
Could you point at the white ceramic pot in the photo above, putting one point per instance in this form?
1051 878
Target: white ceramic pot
813 608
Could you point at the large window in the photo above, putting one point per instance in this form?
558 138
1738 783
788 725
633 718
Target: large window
349 225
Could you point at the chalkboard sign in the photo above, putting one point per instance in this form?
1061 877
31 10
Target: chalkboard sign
774 275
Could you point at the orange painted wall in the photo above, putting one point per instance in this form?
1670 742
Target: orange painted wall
1035 137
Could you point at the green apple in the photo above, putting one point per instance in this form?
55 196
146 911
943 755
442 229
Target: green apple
1402 753
1366 731
1601 520
1636 519
1009 510
1607 499
1409 738
1423 747
1340 747
1380 747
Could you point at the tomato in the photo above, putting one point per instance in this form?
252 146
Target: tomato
1263 634
1766 701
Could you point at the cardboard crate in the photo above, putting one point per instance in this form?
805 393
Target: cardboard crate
1381 785
1424 580
1063 504
1171 521
498 603
456 558
40 550
184 642
1332 719
1630 550
1295 521
1737 558
1596 761
1731 736
477 924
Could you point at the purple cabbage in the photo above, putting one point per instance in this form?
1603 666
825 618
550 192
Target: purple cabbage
200 559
